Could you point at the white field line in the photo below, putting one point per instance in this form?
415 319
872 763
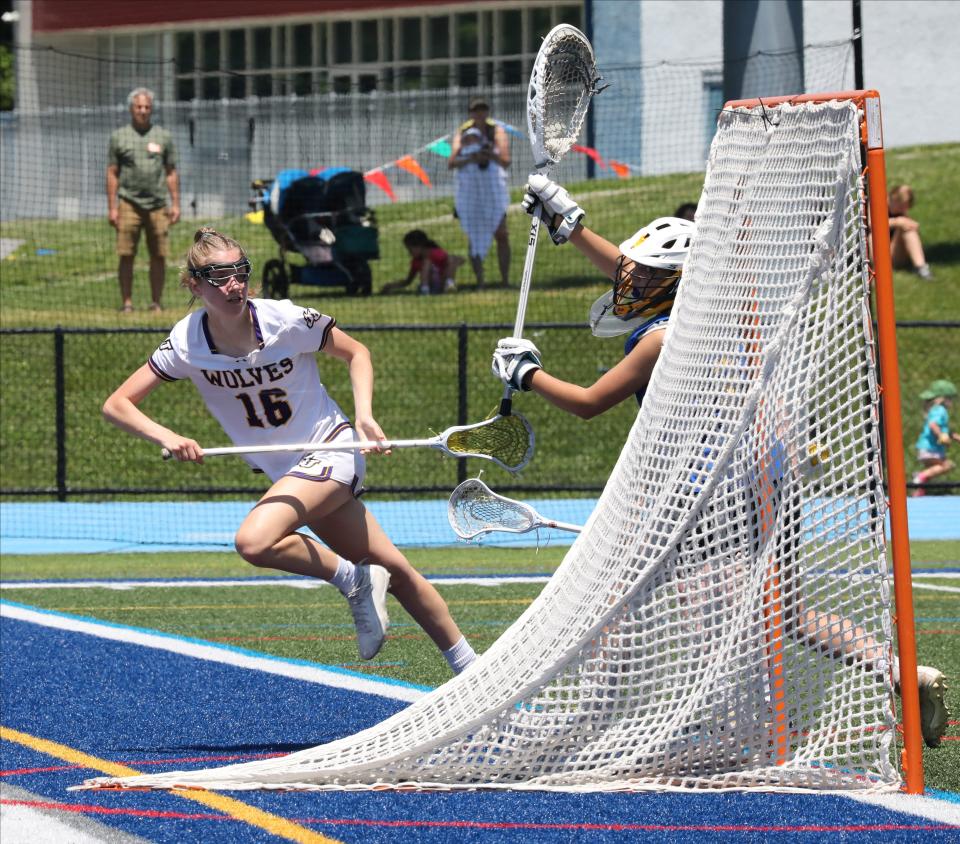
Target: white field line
313 583
336 678
942 811
290 582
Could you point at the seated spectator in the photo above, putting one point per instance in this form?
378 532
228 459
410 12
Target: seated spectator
436 269
906 250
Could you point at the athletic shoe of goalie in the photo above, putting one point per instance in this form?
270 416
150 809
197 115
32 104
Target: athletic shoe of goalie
368 604
934 715
647 277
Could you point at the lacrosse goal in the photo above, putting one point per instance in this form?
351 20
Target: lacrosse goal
723 620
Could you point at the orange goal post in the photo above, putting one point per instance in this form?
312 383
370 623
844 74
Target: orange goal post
723 620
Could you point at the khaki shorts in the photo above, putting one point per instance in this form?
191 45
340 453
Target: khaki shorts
131 220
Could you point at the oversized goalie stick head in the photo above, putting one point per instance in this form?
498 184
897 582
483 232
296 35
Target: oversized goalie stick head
647 276
563 79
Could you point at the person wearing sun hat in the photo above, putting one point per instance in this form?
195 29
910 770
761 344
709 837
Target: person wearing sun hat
936 435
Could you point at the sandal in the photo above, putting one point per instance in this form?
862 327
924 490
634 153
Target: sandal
125 309
156 307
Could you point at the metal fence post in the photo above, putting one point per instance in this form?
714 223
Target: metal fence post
61 412
462 334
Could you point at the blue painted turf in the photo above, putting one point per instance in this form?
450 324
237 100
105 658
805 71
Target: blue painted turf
79 528
155 710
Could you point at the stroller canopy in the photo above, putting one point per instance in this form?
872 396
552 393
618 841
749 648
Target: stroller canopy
297 192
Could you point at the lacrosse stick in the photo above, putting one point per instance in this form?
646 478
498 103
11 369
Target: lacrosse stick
506 440
475 509
563 79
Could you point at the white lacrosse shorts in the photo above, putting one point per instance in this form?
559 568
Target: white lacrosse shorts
345 467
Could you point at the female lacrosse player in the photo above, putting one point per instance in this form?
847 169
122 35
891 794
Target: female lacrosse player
646 275
253 361
646 272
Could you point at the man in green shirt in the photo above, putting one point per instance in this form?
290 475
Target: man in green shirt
141 169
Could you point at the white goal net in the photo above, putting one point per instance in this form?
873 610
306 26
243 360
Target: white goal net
723 619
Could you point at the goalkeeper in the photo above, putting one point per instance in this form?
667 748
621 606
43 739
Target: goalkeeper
254 363
646 271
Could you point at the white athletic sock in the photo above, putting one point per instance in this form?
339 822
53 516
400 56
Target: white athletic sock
460 656
346 577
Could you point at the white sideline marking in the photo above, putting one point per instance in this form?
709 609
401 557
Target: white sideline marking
931 808
337 678
314 583
292 582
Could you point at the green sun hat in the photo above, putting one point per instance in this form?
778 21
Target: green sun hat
939 389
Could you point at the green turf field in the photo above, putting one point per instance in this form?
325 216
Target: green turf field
315 625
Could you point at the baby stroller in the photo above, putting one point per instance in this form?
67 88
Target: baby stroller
323 217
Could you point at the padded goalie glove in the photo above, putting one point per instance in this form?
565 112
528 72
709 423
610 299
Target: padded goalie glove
552 202
514 359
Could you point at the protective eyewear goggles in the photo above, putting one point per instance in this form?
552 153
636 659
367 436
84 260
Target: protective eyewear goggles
219 274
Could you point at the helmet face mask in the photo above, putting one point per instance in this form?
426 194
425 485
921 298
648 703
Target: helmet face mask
647 276
638 288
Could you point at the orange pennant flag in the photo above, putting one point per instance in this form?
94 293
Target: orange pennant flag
379 178
622 170
590 152
410 164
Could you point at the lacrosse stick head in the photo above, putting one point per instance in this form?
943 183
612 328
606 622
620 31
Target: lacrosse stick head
506 440
475 509
563 79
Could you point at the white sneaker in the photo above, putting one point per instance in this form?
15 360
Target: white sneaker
368 603
933 708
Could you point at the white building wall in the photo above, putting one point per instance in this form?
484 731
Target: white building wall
909 51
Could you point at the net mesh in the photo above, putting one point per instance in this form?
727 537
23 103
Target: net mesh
723 620
508 440
474 508
564 78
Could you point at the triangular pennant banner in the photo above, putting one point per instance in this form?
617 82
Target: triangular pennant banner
590 152
622 170
379 178
411 165
440 147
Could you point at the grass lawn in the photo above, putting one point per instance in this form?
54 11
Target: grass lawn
71 283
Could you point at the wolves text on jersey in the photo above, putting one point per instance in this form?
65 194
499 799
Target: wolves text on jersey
251 376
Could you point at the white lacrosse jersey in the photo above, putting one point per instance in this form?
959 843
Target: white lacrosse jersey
271 396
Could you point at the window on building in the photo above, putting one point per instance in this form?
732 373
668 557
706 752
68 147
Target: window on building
713 99
469 46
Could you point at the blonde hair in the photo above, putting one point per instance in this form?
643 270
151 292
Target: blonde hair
206 241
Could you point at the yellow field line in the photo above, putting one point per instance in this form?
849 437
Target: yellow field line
273 824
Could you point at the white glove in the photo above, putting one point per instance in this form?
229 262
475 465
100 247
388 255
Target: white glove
513 359
550 200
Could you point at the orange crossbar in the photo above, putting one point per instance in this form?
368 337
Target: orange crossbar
868 101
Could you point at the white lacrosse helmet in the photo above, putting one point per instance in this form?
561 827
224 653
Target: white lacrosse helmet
662 246
664 243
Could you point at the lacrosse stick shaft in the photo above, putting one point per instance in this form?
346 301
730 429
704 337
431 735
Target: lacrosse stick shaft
550 523
506 402
305 447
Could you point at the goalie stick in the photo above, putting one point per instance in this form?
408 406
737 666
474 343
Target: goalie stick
562 81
